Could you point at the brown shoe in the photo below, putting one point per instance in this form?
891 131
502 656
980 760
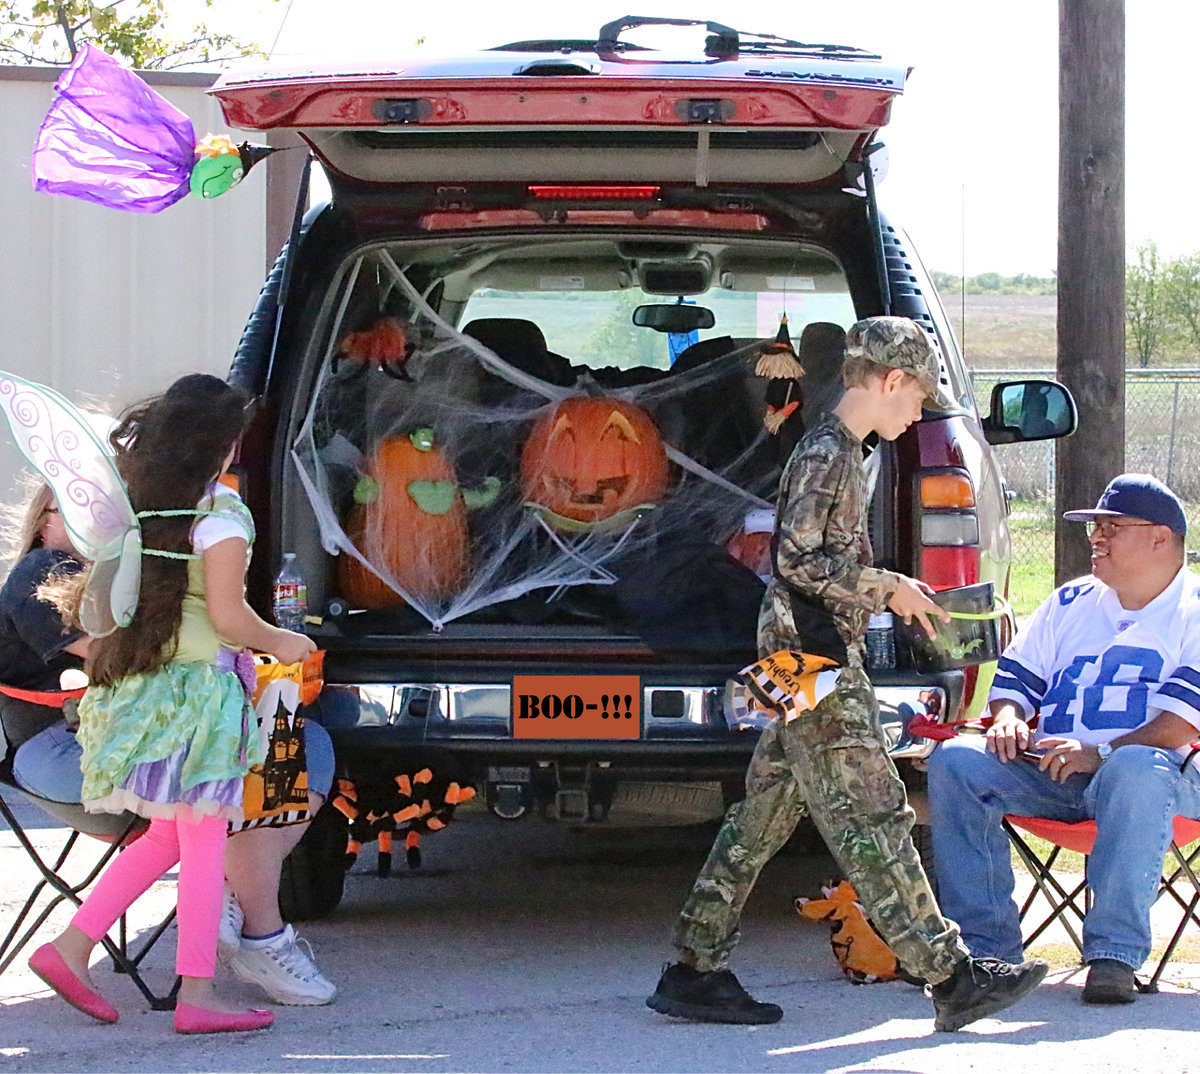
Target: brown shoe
1109 981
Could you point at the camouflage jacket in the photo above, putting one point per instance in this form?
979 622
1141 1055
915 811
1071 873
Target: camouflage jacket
825 588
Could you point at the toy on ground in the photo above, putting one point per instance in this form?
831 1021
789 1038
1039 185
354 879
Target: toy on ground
414 804
858 948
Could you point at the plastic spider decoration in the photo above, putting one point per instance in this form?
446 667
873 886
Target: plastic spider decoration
387 343
409 803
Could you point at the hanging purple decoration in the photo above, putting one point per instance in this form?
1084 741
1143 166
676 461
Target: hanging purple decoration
109 138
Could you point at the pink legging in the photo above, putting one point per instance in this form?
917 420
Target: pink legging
198 845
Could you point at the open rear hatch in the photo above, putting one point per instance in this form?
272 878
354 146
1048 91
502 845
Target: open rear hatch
752 109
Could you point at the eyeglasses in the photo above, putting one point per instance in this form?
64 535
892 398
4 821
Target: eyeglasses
1107 528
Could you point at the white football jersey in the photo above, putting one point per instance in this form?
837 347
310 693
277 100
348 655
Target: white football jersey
1094 671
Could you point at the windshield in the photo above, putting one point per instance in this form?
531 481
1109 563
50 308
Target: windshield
596 328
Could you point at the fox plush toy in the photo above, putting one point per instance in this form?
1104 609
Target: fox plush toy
859 949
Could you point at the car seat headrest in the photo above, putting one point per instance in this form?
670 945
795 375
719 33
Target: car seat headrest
522 345
822 353
701 352
507 337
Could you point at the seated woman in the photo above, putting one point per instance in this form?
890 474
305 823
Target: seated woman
35 648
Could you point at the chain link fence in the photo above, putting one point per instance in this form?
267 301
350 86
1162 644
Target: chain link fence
1162 437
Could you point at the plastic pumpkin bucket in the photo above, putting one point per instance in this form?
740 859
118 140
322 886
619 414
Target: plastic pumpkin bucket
970 638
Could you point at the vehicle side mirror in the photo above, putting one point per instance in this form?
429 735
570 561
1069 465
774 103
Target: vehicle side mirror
673 318
1024 410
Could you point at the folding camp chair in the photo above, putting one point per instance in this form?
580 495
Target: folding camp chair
1069 906
52 887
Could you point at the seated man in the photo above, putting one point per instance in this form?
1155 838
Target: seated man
1110 665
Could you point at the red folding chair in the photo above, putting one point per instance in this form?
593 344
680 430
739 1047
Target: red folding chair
1070 905
52 887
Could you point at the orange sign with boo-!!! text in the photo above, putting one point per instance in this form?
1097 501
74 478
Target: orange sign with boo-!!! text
577 706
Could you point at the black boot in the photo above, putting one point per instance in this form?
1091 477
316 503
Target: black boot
982 986
684 992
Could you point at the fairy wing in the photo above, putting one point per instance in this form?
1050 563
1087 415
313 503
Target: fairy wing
110 595
60 443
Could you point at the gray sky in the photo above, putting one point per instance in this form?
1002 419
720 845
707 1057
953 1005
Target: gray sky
973 141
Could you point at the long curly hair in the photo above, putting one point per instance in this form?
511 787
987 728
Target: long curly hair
168 450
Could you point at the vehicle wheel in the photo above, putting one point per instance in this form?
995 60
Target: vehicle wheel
314 873
922 837
916 783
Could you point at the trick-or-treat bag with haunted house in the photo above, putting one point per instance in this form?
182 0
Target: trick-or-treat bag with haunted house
276 789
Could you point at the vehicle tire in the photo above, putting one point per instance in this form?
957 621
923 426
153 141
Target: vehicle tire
922 837
916 783
314 873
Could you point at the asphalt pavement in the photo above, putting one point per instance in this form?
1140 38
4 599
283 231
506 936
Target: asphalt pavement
525 946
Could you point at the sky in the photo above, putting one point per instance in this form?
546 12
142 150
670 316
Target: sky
973 141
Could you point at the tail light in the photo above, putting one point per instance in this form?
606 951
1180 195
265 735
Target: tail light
595 193
947 529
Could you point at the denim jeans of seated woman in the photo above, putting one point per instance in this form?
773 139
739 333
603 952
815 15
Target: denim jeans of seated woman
1133 797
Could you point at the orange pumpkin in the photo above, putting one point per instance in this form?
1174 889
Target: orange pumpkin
593 456
424 552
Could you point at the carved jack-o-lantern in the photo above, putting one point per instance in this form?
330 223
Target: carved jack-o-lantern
411 522
593 456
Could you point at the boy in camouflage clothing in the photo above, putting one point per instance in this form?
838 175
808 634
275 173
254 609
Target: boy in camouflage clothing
831 760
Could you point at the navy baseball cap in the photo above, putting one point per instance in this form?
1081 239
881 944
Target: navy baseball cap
1137 496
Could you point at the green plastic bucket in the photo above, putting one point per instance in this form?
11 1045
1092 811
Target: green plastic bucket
972 636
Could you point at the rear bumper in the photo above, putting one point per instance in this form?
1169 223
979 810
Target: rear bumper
684 733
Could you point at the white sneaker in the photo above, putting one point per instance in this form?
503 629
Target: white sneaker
229 937
285 971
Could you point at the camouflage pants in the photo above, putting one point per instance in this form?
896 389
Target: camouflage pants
832 761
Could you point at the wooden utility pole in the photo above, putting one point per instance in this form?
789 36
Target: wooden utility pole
1091 261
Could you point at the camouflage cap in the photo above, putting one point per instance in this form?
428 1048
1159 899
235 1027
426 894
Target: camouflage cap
898 343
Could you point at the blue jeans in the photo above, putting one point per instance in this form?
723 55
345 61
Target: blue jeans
1133 798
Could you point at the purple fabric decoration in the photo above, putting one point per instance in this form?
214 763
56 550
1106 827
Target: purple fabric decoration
110 139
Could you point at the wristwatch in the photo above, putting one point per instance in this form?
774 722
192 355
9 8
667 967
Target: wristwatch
1104 749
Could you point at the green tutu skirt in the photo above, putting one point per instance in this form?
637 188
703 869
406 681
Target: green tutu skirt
174 738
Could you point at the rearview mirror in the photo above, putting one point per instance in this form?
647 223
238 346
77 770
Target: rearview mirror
1024 410
673 317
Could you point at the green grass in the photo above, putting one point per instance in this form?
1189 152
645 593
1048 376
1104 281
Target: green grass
1031 523
1029 584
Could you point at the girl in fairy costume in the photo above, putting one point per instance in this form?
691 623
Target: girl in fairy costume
166 727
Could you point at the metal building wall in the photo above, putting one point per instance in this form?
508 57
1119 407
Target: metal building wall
108 306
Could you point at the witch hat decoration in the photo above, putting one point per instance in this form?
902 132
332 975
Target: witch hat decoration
778 360
251 154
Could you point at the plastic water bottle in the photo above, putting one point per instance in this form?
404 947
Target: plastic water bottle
290 596
881 641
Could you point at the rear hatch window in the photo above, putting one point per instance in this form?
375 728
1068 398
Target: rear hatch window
551 461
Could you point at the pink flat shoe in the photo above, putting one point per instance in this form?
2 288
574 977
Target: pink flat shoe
48 964
189 1019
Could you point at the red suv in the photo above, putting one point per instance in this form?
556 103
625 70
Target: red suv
525 411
